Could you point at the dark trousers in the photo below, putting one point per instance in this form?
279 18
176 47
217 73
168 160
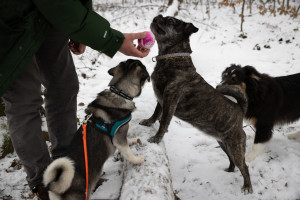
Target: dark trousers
53 67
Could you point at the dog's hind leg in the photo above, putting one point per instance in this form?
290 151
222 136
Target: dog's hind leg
120 141
236 149
156 115
247 187
231 165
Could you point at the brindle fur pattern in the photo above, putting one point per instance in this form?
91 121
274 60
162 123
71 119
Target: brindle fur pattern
182 92
128 76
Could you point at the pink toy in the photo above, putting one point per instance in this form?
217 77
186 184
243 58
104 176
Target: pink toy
148 41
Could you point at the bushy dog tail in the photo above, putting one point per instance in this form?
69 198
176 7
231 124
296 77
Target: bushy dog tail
59 175
236 93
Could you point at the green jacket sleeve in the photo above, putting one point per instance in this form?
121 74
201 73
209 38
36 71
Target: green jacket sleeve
81 24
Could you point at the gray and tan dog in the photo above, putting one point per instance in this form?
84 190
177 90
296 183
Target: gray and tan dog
182 92
106 129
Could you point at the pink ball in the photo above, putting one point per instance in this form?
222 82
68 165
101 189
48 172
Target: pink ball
148 41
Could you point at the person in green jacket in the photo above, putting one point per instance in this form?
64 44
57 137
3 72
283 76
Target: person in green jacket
36 37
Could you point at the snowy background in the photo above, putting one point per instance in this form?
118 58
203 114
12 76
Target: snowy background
188 164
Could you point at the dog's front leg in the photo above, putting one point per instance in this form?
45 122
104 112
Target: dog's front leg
120 141
263 134
169 106
154 117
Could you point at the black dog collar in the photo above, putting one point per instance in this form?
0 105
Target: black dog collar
120 93
171 56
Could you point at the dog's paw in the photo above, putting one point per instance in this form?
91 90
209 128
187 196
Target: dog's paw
155 139
229 169
247 190
132 141
138 159
146 122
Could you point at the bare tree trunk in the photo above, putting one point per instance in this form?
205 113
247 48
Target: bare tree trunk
208 9
242 15
170 2
282 7
274 5
287 4
178 7
250 6
233 7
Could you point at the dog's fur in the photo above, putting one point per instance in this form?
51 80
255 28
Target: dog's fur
65 177
182 92
271 101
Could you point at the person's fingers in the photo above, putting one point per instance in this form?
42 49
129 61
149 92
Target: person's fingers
138 53
140 35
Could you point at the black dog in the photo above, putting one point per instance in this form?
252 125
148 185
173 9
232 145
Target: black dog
182 92
271 100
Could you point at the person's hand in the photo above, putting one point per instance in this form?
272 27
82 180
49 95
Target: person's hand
76 47
130 49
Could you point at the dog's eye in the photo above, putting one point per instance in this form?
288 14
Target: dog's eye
234 79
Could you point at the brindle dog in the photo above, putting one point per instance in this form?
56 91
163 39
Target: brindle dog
182 92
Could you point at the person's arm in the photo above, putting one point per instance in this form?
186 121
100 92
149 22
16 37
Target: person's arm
81 24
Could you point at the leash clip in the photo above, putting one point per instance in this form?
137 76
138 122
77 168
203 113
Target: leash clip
154 59
87 118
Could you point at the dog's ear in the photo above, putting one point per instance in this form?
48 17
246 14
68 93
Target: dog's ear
252 75
250 70
190 28
112 71
145 75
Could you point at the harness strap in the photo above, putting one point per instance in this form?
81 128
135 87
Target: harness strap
110 128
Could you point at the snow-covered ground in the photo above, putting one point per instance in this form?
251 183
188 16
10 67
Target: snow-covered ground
189 164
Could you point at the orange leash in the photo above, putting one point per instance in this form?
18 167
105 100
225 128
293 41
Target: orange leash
86 160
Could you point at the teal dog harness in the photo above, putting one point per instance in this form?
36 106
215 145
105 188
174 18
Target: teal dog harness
110 128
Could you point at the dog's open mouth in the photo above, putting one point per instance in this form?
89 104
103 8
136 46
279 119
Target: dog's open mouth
156 29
